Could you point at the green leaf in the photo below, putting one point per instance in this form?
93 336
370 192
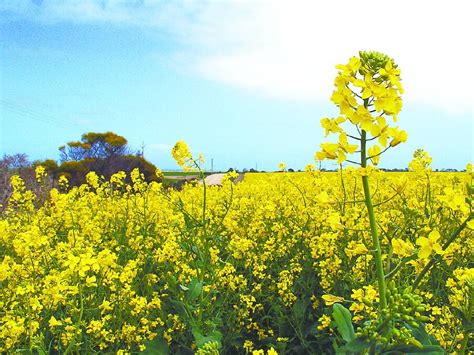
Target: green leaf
411 349
38 349
195 289
202 339
429 349
356 345
299 309
343 320
157 346
180 308
422 336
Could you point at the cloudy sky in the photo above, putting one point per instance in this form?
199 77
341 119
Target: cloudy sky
243 82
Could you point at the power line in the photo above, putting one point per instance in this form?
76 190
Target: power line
28 117
39 116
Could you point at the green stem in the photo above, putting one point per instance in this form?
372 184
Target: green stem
467 334
373 224
204 202
202 176
343 190
464 342
73 340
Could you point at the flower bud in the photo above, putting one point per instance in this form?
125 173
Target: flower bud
415 342
422 318
395 332
367 302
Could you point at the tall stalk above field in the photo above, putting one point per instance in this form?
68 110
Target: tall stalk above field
368 94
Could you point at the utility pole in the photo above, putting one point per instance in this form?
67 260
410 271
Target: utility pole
143 150
212 165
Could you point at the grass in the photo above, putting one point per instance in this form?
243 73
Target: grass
179 173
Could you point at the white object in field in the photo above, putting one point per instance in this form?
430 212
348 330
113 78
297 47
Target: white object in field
216 179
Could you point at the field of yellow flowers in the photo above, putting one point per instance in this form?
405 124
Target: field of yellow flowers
358 261
251 267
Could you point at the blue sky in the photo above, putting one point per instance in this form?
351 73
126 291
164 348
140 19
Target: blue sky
245 83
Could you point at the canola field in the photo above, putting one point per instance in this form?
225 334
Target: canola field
253 267
358 261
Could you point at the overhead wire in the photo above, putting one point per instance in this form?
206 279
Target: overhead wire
25 112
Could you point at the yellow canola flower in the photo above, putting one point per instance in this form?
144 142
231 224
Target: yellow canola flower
336 150
92 179
181 153
393 74
398 136
328 151
429 245
40 173
331 125
91 281
53 322
402 248
345 147
270 351
63 182
367 292
369 86
421 161
354 249
389 103
374 154
158 173
351 68
231 175
470 224
324 322
323 197
370 169
331 299
470 168
345 100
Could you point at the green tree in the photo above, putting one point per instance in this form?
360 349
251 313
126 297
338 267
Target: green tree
94 146
104 153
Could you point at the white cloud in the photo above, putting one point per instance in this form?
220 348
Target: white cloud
83 121
294 53
288 49
159 147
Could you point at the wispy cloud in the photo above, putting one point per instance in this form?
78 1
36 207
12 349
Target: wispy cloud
159 147
287 49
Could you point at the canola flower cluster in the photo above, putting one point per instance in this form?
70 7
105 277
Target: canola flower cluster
116 267
367 92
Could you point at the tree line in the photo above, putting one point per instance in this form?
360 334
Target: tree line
104 153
